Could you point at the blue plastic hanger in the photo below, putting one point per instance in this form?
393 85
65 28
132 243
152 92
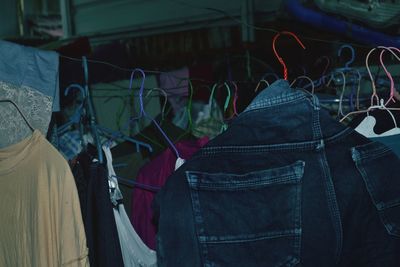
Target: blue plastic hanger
76 117
97 129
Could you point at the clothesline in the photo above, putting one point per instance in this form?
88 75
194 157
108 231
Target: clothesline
158 72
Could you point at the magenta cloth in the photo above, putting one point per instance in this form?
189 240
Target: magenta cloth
176 85
155 173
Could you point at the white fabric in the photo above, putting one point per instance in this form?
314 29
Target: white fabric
179 162
134 252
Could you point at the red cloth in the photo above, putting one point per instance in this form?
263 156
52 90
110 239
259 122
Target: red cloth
155 173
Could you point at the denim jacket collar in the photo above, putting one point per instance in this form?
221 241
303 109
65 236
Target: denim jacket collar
277 93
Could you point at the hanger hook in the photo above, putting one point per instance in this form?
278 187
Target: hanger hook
374 94
328 63
81 90
388 74
285 72
140 89
347 64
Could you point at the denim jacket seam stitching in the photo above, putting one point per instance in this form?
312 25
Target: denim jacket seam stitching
266 235
274 102
308 146
372 155
202 185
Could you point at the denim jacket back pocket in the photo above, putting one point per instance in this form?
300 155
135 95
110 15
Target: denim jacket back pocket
251 219
379 167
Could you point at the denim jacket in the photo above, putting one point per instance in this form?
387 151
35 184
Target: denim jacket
285 185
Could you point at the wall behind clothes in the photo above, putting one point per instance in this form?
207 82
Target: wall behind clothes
8 15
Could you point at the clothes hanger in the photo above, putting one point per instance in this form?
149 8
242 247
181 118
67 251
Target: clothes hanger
264 80
269 74
165 99
143 112
235 98
281 61
392 89
350 61
307 78
366 127
357 94
19 111
76 117
321 80
189 112
97 129
340 108
259 83
228 97
374 96
207 115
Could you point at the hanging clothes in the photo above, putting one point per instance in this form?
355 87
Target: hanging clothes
176 85
134 252
28 77
155 173
97 212
41 222
284 185
29 67
114 108
33 104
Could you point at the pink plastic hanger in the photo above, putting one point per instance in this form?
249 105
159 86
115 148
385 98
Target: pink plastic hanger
392 89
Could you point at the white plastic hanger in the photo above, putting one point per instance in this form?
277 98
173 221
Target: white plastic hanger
366 127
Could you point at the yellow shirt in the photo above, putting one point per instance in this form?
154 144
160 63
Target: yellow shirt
40 217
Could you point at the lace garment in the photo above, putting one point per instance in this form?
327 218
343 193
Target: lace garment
36 107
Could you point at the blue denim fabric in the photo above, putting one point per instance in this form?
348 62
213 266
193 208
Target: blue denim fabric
27 66
285 185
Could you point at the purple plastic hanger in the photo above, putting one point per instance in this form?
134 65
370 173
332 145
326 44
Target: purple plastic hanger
143 112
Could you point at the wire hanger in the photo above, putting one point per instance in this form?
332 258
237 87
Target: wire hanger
374 95
322 79
259 83
285 70
307 78
392 89
20 112
235 98
96 128
355 92
264 80
227 99
165 99
340 108
143 112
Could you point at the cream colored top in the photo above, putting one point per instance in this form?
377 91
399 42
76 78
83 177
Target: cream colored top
40 217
